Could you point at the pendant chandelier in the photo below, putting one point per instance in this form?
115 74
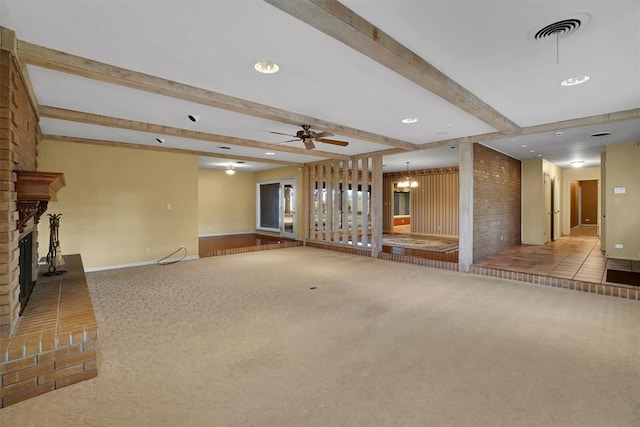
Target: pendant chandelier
406 182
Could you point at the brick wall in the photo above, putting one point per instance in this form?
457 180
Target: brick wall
31 372
19 136
496 201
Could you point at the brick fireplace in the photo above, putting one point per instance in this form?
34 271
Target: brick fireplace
53 343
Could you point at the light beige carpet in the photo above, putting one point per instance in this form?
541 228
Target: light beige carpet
244 340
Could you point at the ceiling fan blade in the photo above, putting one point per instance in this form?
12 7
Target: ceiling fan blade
284 142
308 144
334 142
280 133
319 135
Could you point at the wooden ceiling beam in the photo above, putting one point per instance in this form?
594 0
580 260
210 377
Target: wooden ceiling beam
598 119
341 23
95 119
107 143
64 62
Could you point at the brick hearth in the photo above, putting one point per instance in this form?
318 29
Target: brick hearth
54 342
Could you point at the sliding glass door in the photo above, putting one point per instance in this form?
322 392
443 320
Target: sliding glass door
276 207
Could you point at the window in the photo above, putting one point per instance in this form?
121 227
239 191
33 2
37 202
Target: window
269 206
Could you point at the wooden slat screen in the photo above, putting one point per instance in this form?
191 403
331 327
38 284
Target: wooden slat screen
340 209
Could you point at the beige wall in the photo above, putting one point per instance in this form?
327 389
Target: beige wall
115 203
533 219
533 200
623 210
226 203
569 176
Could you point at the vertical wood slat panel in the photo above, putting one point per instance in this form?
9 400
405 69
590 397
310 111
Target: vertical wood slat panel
306 195
316 204
336 202
365 201
323 197
354 201
377 196
329 209
345 202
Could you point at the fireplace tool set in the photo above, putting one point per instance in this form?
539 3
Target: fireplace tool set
54 256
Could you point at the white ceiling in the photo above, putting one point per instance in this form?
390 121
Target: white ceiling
484 46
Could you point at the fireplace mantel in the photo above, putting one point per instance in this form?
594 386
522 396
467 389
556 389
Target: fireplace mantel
34 191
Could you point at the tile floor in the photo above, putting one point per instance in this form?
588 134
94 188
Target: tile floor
576 256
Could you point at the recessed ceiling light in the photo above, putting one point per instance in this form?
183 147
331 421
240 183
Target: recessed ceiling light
574 81
240 162
161 140
577 163
599 134
559 133
532 151
193 117
266 67
409 120
523 145
269 153
224 147
512 139
539 155
441 133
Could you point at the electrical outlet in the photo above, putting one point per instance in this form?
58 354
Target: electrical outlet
147 251
168 206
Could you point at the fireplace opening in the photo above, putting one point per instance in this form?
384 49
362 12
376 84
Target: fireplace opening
25 262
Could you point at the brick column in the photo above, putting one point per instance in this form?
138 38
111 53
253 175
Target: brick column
9 286
19 139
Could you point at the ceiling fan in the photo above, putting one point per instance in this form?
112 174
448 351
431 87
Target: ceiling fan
307 136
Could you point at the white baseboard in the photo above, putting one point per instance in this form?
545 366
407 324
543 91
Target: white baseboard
136 264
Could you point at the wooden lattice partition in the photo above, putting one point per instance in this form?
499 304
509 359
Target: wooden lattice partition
344 202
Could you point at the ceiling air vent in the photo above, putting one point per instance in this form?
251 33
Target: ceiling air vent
562 28
600 134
